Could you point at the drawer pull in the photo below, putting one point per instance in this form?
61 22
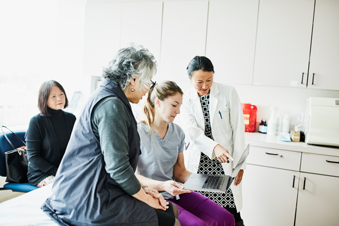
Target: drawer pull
293 181
267 153
332 161
302 78
304 183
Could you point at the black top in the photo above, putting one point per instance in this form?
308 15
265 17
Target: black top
46 140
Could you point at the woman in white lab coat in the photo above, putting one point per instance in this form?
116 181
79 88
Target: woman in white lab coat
212 118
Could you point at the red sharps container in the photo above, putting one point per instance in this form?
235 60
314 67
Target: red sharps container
250 117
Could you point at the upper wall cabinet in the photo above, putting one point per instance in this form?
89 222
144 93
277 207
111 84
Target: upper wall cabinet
183 37
141 24
283 42
231 39
102 36
324 64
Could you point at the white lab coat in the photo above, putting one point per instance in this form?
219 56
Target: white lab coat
227 129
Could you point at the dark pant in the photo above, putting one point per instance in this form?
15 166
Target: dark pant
166 218
236 215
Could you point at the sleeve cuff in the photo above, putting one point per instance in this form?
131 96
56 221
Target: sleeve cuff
132 186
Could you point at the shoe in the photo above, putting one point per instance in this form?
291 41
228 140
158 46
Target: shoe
239 223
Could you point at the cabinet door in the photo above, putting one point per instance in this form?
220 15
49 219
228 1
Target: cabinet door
283 42
231 39
183 37
318 200
324 67
141 24
269 196
102 36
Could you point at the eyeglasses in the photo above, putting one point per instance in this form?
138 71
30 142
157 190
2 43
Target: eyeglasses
152 84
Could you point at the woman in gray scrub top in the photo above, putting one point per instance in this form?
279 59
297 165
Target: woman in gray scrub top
95 183
162 143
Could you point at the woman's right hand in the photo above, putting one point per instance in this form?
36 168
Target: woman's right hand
174 188
155 203
222 154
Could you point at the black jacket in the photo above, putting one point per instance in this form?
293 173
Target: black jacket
43 147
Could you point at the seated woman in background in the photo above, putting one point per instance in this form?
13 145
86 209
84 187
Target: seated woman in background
48 134
162 143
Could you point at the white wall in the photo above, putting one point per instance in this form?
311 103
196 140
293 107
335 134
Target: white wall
291 101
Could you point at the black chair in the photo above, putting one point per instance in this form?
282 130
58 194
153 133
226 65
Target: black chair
5 146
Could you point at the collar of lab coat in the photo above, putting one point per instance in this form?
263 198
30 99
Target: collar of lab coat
213 101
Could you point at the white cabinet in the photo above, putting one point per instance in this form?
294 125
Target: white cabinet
318 200
288 188
183 37
269 196
231 39
141 25
283 42
324 67
289 52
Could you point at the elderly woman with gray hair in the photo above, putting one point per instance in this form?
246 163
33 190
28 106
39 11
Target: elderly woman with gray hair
95 183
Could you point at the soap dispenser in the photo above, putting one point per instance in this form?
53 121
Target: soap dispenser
272 122
295 134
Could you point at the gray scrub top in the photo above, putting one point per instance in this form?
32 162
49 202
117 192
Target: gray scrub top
158 156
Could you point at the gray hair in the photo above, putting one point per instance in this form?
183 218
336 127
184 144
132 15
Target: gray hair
131 62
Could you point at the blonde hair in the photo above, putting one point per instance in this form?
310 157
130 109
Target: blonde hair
161 91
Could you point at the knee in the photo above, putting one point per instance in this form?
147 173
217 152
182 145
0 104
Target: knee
177 223
175 211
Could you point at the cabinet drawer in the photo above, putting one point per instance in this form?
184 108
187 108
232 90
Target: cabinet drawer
322 164
274 158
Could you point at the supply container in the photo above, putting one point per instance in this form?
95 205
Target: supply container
279 124
250 117
286 124
272 122
263 127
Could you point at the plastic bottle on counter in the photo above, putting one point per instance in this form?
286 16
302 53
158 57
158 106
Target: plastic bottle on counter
285 124
279 124
263 127
272 123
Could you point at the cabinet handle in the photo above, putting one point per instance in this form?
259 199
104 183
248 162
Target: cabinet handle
304 183
313 79
332 161
302 78
293 181
267 153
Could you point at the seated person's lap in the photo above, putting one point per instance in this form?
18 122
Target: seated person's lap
194 207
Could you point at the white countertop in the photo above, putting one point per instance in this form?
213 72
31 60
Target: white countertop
271 141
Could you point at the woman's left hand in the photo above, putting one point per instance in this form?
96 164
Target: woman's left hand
155 194
238 178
